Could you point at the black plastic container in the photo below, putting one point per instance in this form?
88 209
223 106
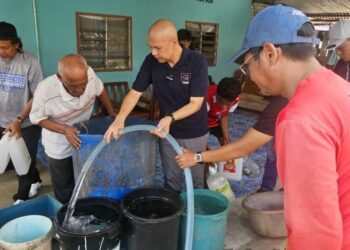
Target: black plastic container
151 219
103 209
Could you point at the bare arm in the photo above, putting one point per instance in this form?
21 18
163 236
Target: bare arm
15 125
251 141
192 107
25 112
71 133
128 105
224 128
104 98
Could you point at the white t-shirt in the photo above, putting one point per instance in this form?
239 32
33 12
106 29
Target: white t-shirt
52 101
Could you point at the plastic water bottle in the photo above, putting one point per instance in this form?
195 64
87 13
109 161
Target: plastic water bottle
19 155
4 152
218 182
250 168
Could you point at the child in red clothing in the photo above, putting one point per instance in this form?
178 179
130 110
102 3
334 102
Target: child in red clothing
222 99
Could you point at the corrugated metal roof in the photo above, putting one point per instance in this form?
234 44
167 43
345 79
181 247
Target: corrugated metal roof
321 12
319 6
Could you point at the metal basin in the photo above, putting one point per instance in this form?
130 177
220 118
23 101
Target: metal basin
266 213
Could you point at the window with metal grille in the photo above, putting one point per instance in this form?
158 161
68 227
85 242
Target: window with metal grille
204 39
105 41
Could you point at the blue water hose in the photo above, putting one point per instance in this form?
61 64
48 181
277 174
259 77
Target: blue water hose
188 176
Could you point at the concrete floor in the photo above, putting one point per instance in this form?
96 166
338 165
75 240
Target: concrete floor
9 186
239 233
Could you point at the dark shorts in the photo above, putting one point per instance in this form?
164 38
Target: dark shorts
216 131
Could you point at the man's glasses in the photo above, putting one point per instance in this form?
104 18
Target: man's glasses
244 66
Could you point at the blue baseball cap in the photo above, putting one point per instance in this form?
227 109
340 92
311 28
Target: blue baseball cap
276 24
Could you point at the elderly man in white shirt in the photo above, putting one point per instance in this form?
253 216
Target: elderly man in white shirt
60 101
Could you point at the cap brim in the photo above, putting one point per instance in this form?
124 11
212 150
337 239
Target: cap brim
331 46
6 38
336 44
238 57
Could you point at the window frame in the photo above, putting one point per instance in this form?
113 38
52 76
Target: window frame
129 29
216 40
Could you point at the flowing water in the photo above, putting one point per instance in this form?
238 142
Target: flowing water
86 224
84 171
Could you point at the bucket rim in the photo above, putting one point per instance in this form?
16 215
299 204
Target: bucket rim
255 210
41 239
115 225
129 215
91 136
214 193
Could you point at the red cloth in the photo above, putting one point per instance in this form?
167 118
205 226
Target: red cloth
215 112
313 161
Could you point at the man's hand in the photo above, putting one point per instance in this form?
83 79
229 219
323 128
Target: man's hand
114 131
71 134
163 127
15 128
186 159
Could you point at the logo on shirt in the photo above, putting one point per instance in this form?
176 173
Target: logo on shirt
185 78
8 82
218 116
169 77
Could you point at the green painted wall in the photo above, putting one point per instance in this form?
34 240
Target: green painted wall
57 35
20 13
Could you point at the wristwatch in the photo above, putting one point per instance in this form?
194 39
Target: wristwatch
198 157
19 118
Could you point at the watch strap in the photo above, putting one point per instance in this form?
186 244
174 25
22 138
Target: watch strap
19 118
200 160
172 117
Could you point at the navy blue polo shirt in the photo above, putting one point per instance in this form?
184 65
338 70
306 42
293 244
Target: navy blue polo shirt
174 86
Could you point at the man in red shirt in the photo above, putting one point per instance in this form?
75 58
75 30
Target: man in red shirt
221 100
312 131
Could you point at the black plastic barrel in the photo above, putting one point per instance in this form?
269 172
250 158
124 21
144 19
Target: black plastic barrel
103 209
151 219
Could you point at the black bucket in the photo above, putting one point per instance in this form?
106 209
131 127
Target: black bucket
104 210
152 219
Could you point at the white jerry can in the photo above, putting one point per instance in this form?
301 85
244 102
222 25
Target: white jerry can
19 155
4 152
232 169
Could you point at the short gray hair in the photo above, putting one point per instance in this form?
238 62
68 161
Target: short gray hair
61 63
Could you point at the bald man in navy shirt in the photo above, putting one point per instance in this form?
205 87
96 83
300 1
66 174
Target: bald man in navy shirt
180 81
